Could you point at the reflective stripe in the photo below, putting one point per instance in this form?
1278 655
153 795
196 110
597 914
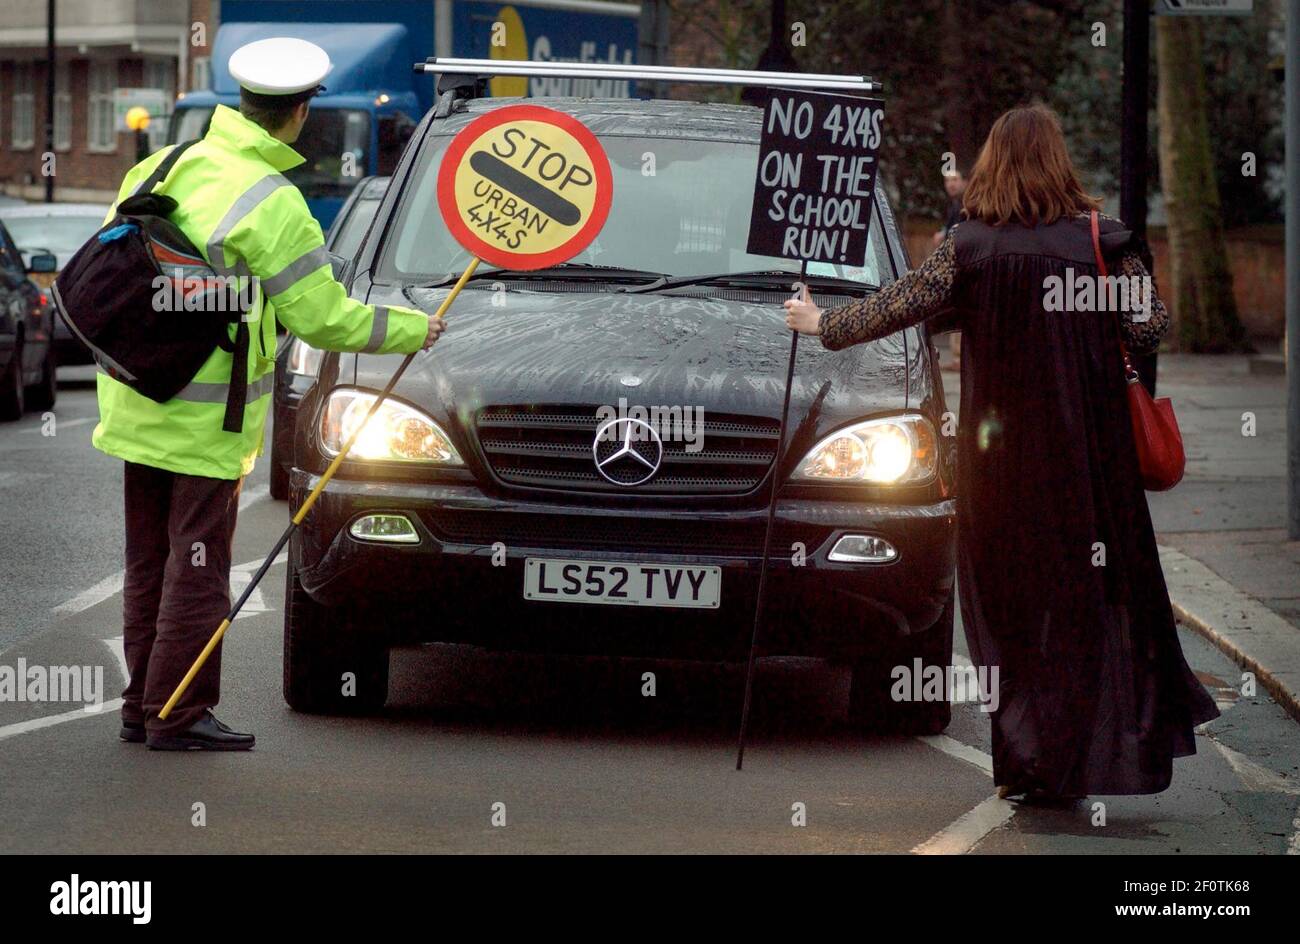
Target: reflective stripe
378 330
201 392
301 267
245 205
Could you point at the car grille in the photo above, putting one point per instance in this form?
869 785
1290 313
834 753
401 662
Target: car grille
709 537
551 447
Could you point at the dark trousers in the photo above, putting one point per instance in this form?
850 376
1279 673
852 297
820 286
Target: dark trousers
177 590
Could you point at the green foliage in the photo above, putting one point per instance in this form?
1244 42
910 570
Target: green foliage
1245 109
950 67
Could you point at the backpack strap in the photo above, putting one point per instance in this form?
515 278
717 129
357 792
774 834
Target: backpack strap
165 166
237 395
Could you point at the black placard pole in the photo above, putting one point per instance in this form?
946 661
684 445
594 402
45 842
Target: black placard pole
767 533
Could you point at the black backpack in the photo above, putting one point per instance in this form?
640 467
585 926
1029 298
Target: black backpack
149 306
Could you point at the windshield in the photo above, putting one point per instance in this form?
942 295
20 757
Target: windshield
335 145
689 217
58 234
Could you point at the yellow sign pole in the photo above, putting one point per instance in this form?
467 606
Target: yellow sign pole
306 506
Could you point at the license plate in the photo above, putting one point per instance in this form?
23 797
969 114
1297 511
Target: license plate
584 581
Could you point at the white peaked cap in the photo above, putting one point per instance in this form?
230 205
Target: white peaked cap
279 66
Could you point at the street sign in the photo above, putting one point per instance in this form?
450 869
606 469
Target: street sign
525 187
1203 7
816 174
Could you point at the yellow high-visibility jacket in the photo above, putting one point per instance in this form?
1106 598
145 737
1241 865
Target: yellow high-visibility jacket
247 220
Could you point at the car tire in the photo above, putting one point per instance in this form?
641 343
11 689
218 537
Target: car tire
321 645
42 394
870 705
12 394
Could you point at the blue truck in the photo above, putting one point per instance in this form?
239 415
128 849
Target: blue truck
374 98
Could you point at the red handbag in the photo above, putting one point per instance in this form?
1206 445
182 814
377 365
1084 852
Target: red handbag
1155 428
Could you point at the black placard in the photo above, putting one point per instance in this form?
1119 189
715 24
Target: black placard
816 172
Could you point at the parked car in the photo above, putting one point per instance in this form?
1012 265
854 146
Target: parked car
60 228
487 503
27 359
296 361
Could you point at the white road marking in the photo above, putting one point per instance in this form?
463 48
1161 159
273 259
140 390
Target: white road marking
954 748
15 479
966 831
91 595
62 424
110 586
1256 776
36 724
115 646
240 577
255 494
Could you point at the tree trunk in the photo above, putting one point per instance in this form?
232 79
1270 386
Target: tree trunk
1201 296
954 85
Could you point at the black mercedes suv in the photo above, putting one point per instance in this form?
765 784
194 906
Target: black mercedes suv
581 463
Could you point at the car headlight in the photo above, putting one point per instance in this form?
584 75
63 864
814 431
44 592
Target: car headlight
397 432
896 450
303 358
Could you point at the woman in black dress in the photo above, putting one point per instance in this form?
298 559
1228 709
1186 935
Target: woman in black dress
1060 581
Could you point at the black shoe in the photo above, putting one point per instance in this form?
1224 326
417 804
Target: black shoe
206 734
132 732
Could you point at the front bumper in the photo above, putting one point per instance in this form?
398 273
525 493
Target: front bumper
448 588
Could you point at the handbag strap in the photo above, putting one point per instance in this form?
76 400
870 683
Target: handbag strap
1130 372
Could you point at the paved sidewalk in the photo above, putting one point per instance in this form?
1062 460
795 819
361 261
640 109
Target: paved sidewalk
1233 576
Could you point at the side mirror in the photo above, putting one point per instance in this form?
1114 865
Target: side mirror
43 262
341 267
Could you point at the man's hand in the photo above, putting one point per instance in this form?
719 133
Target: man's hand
436 327
802 315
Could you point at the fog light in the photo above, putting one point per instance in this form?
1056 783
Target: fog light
863 549
387 529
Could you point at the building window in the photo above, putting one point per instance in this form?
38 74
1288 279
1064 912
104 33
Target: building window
160 74
24 107
102 136
63 106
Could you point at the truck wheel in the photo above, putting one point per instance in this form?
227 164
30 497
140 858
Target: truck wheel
11 386
870 704
331 664
41 395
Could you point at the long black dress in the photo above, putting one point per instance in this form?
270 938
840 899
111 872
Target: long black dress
1061 586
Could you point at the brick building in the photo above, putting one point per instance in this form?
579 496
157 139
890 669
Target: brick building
101 46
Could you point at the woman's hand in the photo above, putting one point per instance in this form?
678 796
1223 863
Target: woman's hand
802 315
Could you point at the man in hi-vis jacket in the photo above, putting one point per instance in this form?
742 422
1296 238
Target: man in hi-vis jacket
183 470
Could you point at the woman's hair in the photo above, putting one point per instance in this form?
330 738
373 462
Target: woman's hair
1024 172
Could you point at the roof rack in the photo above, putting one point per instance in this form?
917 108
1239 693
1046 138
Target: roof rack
603 70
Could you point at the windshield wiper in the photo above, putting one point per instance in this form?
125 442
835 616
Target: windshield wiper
565 270
764 277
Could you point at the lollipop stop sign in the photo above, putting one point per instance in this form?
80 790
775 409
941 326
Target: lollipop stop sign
525 187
